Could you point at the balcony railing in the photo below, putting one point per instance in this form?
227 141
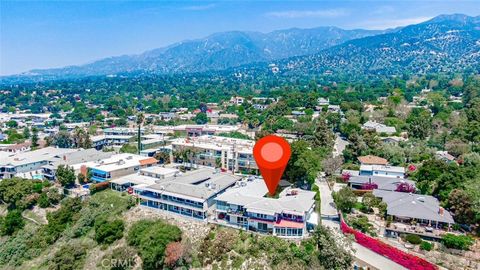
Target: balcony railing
150 195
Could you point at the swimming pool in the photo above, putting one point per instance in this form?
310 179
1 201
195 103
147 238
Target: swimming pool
37 176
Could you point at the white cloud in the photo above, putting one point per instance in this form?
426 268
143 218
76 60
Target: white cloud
294 14
199 7
390 23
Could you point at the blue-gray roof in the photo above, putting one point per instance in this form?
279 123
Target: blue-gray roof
416 206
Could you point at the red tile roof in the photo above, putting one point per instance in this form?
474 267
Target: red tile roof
372 160
148 161
288 224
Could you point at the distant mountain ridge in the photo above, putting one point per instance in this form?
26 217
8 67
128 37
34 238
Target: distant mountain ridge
445 43
218 51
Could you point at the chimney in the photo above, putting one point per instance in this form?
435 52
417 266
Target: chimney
440 211
84 170
64 158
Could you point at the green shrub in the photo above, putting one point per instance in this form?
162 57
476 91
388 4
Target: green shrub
317 192
11 223
58 221
121 258
237 262
94 188
20 193
345 199
461 242
361 223
43 201
151 238
106 232
69 257
413 239
426 246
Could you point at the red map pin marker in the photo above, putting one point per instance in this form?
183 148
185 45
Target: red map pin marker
271 154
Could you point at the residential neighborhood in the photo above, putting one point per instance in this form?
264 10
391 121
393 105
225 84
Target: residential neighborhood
269 135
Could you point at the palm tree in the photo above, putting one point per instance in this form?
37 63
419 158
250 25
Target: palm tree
140 118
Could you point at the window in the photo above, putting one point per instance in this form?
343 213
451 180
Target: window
262 226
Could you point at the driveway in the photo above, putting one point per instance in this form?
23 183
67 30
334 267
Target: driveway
327 205
339 145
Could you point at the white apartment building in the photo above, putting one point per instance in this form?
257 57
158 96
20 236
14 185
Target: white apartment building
29 164
229 154
245 206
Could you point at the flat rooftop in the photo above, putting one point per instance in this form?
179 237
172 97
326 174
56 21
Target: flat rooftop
112 137
217 143
159 170
384 168
121 161
250 194
78 157
43 154
200 184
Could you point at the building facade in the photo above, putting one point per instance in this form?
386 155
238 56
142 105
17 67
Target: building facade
117 166
190 194
245 206
229 154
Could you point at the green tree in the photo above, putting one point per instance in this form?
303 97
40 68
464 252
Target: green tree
332 254
428 174
426 246
19 193
68 257
106 232
34 138
81 138
129 148
345 199
461 242
26 132
140 119
304 163
82 179
65 175
361 223
420 125
11 124
201 118
62 139
323 136
151 238
462 207
370 201
43 200
12 222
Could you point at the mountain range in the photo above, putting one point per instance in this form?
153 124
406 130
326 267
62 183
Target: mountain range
442 44
447 43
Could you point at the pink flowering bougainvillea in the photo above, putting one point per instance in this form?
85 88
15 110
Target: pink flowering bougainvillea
369 186
346 177
405 187
406 260
412 167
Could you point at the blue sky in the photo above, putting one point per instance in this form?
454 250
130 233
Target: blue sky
45 34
